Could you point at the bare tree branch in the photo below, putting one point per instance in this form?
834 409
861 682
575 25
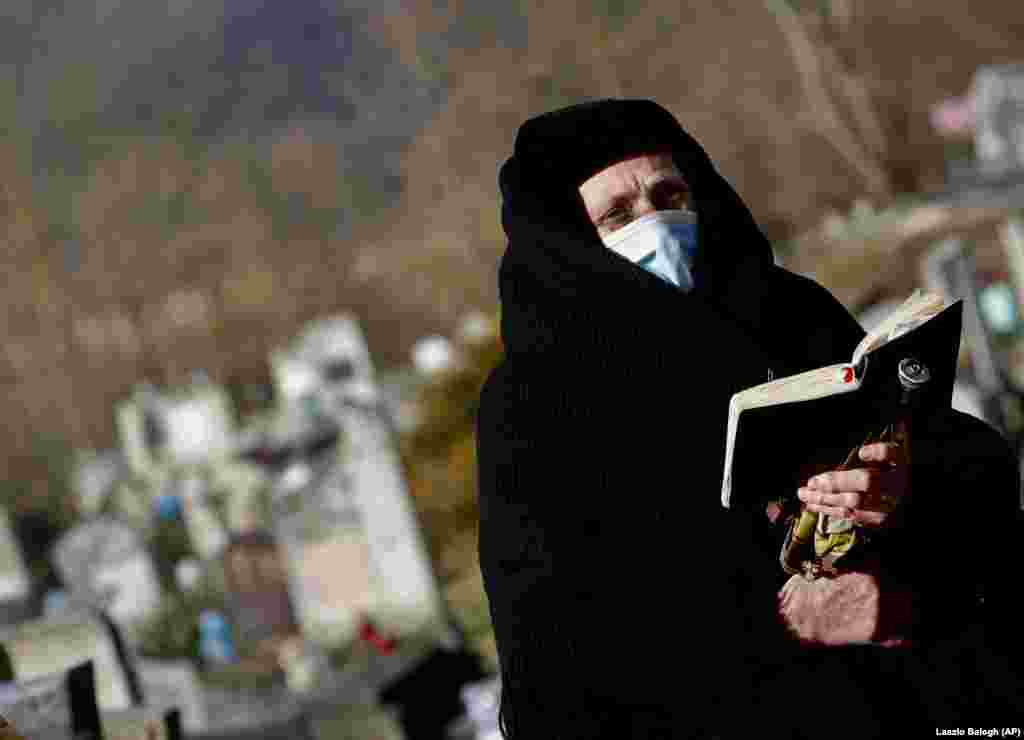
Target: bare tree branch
826 118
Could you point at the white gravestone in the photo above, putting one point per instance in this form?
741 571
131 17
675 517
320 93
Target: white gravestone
361 508
170 684
106 560
57 706
15 584
95 477
43 647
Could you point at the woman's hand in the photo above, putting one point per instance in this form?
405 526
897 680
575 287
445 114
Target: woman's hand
850 608
867 495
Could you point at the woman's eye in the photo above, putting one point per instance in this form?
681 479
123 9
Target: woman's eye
679 198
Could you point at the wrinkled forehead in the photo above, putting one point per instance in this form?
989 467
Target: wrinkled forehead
628 176
635 169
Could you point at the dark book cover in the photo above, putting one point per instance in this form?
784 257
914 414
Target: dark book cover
778 447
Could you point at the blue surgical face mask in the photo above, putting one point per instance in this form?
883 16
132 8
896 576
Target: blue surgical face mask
663 243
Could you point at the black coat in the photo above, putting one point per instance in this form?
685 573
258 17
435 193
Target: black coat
626 601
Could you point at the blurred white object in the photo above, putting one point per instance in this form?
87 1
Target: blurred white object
38 708
475 328
481 701
294 377
998 307
15 585
198 427
187 573
361 391
39 647
296 476
106 559
967 398
433 354
998 95
167 684
94 477
338 346
206 532
328 362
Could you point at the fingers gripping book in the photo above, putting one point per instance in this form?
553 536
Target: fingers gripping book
782 432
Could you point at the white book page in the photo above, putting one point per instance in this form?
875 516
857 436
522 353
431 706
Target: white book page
822 381
917 309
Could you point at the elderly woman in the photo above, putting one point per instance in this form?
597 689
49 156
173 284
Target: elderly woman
638 295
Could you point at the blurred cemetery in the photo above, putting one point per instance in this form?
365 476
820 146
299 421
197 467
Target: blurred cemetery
248 330
268 575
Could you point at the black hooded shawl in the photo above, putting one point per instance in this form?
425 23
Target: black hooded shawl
626 601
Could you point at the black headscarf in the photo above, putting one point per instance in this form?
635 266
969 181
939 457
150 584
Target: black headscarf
625 599
554 251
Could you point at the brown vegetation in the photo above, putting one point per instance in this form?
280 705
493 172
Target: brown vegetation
188 261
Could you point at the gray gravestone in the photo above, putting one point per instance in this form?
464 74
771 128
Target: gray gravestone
15 580
998 93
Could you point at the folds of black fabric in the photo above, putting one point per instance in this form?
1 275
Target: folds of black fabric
619 587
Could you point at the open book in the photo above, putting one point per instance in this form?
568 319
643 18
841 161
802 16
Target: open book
782 432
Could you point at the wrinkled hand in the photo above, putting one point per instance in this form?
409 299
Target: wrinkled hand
868 494
853 607
848 609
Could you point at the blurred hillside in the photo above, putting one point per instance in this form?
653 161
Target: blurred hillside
186 182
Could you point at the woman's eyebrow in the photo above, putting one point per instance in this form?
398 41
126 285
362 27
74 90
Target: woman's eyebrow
614 202
660 179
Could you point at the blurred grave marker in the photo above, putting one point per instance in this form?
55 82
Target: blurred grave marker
94 478
950 271
257 596
104 561
998 93
327 553
60 705
15 581
46 646
355 509
168 684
